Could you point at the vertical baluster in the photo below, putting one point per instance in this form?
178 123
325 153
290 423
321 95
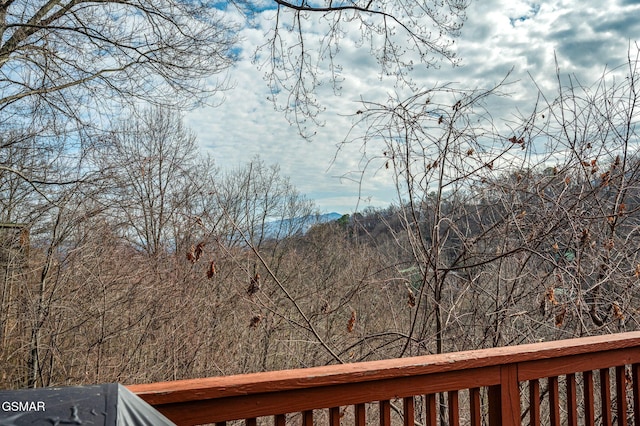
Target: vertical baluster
307 418
432 411
554 402
280 420
605 396
572 401
385 413
589 401
534 402
409 411
361 414
635 376
454 408
494 394
250 422
334 416
621 394
474 407
221 424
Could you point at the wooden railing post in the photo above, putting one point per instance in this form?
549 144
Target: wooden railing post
504 398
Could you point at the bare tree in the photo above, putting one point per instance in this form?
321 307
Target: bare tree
68 67
256 202
60 55
302 51
516 230
157 179
594 195
519 231
437 142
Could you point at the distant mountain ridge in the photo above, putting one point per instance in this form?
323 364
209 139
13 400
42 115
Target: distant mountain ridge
278 228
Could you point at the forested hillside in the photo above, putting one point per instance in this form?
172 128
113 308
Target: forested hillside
158 266
128 255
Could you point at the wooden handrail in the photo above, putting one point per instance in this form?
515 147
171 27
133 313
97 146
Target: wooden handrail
499 370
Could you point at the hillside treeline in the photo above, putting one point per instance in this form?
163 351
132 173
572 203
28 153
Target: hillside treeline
132 258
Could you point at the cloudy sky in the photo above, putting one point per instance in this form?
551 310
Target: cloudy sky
499 35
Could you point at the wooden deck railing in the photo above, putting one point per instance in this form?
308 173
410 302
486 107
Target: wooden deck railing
592 380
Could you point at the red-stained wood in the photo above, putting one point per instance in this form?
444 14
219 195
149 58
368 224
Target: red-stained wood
554 401
221 424
360 414
408 411
275 381
534 402
334 416
504 399
280 420
605 396
453 408
270 403
220 399
572 400
307 418
495 413
589 401
385 413
475 414
250 422
430 402
635 377
621 394
562 365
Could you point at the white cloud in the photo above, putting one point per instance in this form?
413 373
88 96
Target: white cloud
498 36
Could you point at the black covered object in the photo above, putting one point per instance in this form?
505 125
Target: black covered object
107 404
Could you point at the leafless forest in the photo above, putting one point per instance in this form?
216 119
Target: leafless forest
161 268
127 256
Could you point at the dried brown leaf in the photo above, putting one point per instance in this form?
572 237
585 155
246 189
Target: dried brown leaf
411 298
560 317
212 270
617 312
550 295
198 250
191 256
255 320
352 322
609 244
